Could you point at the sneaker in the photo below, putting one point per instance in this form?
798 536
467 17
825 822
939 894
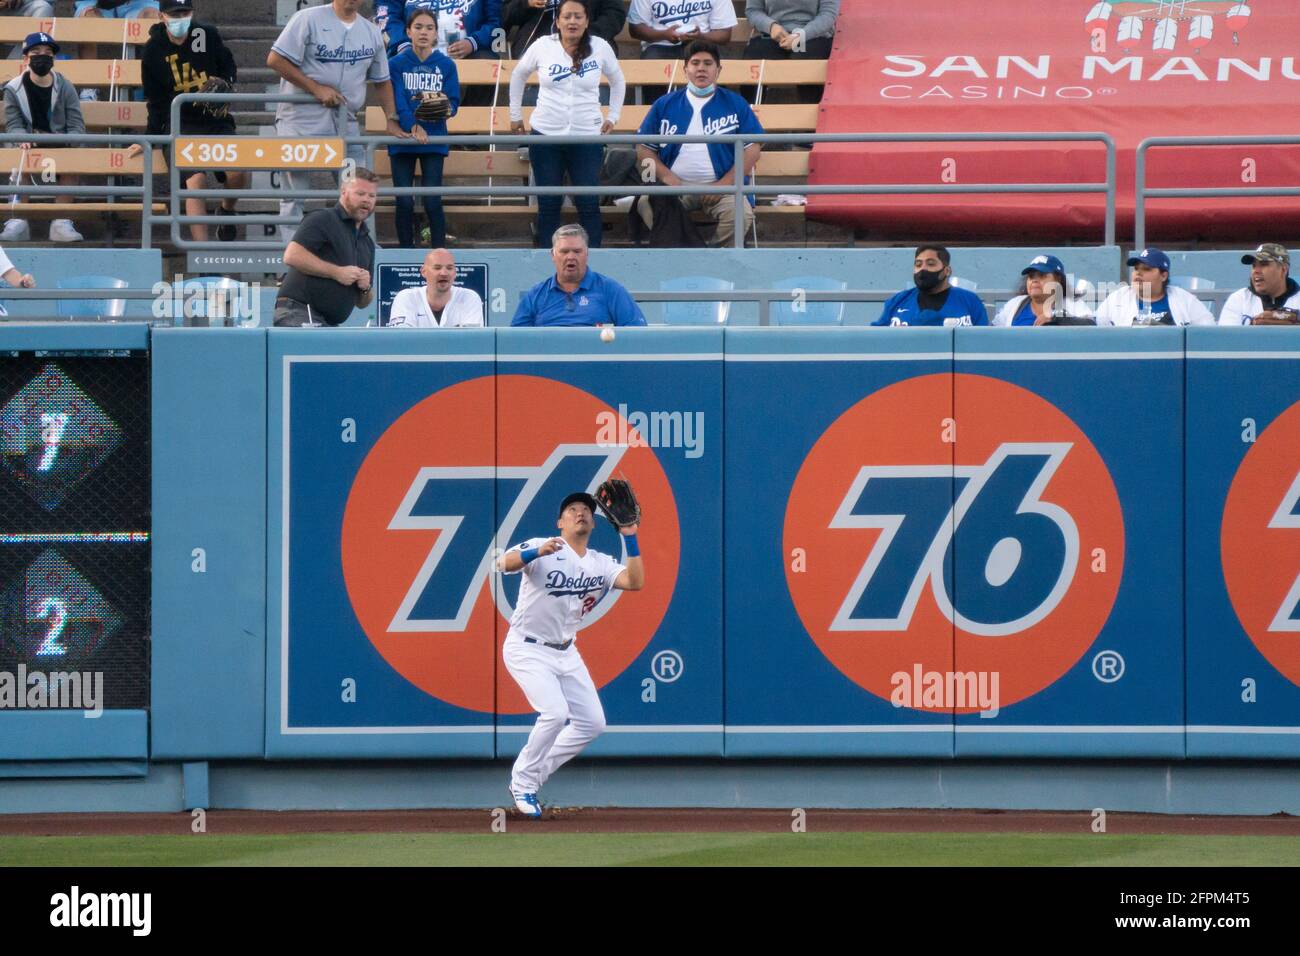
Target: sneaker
16 230
89 96
227 231
526 803
62 230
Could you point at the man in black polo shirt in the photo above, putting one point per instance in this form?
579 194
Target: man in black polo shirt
330 258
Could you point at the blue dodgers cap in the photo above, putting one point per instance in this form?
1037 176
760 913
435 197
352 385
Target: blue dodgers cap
1150 257
582 496
1044 264
38 39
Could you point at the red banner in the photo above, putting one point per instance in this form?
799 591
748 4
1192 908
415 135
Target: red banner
1130 68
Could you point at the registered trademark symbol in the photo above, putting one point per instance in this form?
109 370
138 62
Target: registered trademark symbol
1108 667
667 666
1107 91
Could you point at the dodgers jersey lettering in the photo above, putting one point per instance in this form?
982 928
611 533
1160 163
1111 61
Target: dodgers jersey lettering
558 590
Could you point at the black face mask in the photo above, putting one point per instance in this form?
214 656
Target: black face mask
41 64
926 280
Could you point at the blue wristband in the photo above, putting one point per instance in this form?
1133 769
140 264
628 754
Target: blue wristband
528 554
629 541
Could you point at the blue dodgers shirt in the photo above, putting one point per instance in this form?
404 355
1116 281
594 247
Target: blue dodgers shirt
598 300
725 112
962 307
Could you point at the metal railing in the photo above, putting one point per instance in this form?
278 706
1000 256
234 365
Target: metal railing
1142 192
737 141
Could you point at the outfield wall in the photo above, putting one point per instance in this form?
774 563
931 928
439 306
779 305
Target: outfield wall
1088 535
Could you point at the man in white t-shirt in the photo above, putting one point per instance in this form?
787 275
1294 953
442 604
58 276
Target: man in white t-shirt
1272 297
563 580
663 26
440 303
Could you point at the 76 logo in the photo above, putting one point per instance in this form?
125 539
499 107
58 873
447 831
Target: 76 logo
1288 516
997 558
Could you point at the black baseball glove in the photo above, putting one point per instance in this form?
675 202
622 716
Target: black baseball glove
433 107
618 502
216 84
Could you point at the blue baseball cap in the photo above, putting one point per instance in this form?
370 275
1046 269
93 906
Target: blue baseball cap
1150 257
37 39
1044 264
580 496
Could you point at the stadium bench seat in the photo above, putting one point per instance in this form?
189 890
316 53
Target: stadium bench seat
86 73
76 30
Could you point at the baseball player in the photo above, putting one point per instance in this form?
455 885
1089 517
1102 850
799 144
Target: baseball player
563 581
331 52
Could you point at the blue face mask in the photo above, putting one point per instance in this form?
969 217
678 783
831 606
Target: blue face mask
702 90
178 28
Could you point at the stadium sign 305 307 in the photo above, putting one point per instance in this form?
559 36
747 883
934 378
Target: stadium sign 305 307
992 542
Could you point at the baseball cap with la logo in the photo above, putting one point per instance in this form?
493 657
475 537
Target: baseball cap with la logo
39 39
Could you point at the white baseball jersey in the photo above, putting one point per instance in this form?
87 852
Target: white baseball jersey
688 16
558 590
411 310
1243 305
567 103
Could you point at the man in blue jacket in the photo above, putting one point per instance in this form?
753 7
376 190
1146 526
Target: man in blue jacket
575 295
701 108
933 300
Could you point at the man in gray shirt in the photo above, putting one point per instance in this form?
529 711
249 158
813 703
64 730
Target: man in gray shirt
331 52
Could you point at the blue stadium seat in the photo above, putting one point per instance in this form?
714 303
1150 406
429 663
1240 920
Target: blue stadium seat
91 308
696 313
966 284
810 313
1197 284
220 302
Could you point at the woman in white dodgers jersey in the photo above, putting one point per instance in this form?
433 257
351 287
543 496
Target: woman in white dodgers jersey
563 581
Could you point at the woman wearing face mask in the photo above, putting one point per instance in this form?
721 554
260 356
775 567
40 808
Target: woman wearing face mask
181 56
569 67
39 100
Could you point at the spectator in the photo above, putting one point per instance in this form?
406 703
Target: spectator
329 259
26 8
418 70
478 20
665 27
180 57
19 280
576 295
440 303
569 66
791 29
1272 297
1044 298
112 9
698 107
934 300
530 20
330 52
1149 299
40 100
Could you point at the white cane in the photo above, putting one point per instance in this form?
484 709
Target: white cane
16 179
492 119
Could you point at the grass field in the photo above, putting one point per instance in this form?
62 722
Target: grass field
653 849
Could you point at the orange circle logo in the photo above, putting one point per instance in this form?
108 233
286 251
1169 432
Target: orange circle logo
992 544
434 501
1260 543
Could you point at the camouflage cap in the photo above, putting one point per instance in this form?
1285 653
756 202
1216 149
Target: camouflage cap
1268 252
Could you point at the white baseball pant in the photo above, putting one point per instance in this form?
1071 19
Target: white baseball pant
559 688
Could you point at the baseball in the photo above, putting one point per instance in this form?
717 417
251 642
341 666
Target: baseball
607 335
